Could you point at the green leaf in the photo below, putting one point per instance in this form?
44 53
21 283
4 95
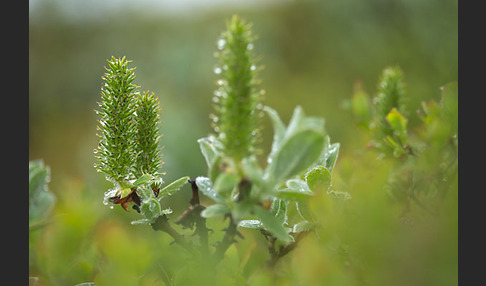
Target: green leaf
296 154
278 127
329 154
304 210
398 123
210 148
302 226
206 187
142 180
173 187
338 195
279 209
296 190
251 223
292 195
295 121
215 210
41 200
318 179
151 209
225 184
125 192
360 104
241 209
272 224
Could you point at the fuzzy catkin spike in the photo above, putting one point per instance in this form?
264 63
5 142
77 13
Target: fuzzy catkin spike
391 94
147 125
237 99
115 151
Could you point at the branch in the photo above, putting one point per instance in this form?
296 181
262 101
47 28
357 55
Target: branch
228 239
162 224
275 255
201 229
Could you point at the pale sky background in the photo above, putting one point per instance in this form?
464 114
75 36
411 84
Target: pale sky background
82 10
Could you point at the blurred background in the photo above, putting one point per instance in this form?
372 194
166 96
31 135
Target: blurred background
313 53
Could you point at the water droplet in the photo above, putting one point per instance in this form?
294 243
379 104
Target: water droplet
250 46
217 70
111 207
220 82
253 67
109 194
216 99
221 44
95 151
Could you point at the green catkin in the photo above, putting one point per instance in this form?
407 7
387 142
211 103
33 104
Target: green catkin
115 152
148 158
391 94
237 99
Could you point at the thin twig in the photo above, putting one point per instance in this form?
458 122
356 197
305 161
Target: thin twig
201 229
228 239
275 255
162 224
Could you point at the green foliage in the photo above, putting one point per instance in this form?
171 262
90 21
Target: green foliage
301 155
128 151
41 200
274 205
308 62
426 159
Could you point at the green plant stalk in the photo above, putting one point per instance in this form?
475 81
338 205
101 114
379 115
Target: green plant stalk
237 108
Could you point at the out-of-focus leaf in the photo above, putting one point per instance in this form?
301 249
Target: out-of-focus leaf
225 184
251 223
210 147
296 154
398 123
318 179
206 187
41 200
215 210
278 127
279 209
272 225
329 154
305 211
360 104
302 226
